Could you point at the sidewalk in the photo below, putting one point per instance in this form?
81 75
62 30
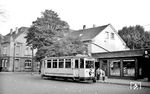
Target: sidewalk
125 82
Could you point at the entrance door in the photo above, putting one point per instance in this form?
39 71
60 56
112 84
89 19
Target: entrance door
16 64
104 66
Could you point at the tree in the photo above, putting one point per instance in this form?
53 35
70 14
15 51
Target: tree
65 47
146 40
48 35
133 36
46 29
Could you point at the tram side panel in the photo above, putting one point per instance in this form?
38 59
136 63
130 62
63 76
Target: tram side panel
58 72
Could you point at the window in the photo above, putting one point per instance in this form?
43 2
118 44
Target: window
61 63
5 50
48 63
112 36
55 63
115 68
27 63
107 35
81 63
4 63
89 64
129 67
28 51
17 50
68 63
76 63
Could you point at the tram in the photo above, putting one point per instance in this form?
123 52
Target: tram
78 68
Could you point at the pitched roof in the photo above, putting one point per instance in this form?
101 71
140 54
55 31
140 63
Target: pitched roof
8 37
87 34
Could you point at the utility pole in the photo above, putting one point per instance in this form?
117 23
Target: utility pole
32 59
14 57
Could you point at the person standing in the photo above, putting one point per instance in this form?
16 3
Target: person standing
98 74
103 75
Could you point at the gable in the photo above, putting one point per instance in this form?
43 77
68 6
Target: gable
105 40
14 35
21 38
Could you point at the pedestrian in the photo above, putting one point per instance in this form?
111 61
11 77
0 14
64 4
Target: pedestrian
102 75
98 74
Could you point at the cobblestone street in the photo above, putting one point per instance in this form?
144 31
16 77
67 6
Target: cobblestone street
27 83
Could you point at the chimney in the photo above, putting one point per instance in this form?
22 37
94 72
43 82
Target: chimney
11 31
16 30
84 26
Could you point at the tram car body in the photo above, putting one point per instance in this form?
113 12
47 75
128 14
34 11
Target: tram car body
79 68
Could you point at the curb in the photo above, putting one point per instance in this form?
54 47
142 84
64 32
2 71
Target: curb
146 86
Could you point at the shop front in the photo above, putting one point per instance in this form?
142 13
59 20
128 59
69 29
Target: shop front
123 64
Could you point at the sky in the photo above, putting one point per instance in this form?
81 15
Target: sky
76 13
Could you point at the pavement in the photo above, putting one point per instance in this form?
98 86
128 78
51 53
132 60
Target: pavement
139 82
128 82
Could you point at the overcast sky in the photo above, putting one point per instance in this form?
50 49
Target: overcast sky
77 13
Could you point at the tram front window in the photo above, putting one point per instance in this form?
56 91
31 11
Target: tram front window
89 64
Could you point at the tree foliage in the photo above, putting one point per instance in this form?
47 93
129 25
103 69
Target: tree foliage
46 29
134 36
48 35
64 47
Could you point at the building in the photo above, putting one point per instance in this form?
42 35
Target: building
112 54
1 37
100 39
16 55
132 64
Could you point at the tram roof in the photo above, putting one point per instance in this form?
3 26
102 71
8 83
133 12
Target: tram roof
67 57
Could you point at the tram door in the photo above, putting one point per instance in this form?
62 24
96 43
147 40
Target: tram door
81 67
76 67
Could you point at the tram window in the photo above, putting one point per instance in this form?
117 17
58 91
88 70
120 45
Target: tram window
44 63
68 63
48 63
89 64
76 63
61 63
81 63
55 63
